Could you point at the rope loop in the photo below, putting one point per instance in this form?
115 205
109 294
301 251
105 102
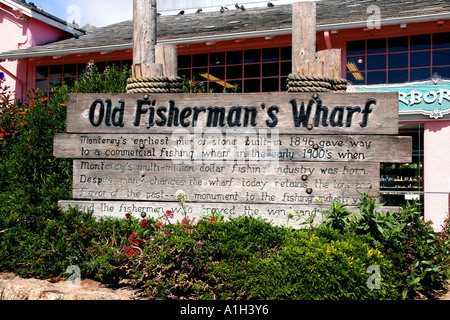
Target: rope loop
309 83
155 85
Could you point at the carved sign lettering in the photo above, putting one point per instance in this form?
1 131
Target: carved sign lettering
292 113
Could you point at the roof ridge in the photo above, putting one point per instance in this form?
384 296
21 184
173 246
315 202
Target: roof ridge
31 6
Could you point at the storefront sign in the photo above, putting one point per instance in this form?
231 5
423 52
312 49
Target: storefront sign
416 98
426 95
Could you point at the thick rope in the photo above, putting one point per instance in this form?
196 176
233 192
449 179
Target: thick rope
155 85
300 83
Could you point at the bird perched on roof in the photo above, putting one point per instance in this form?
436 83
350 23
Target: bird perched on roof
242 8
199 10
237 6
270 5
181 12
222 10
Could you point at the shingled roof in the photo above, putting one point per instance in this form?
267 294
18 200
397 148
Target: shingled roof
216 26
30 9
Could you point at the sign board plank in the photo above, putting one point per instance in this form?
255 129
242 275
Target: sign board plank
276 214
254 146
236 182
290 113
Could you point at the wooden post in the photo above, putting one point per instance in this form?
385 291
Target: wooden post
331 60
303 37
144 39
167 56
305 59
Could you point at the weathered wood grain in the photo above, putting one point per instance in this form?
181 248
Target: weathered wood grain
144 39
330 61
303 35
277 214
256 146
277 183
167 56
290 113
283 215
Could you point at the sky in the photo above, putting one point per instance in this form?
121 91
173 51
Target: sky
100 13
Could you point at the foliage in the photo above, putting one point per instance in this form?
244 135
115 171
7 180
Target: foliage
420 255
32 180
112 80
248 258
338 216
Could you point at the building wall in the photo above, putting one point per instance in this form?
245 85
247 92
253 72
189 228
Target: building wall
437 171
19 31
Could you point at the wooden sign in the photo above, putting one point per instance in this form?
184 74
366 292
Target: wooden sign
290 113
254 145
236 154
280 214
289 182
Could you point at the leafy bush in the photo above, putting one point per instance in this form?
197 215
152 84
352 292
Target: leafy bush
247 258
421 259
32 180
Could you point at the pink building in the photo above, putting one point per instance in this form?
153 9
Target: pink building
405 48
23 25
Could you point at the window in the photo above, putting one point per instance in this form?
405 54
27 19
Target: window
398 59
255 70
51 76
400 182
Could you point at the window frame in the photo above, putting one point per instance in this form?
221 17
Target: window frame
389 70
265 70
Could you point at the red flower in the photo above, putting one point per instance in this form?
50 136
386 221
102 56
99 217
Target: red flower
127 215
132 237
212 220
144 224
187 222
168 214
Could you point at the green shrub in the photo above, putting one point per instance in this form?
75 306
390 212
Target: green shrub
32 242
312 267
112 80
420 258
248 258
